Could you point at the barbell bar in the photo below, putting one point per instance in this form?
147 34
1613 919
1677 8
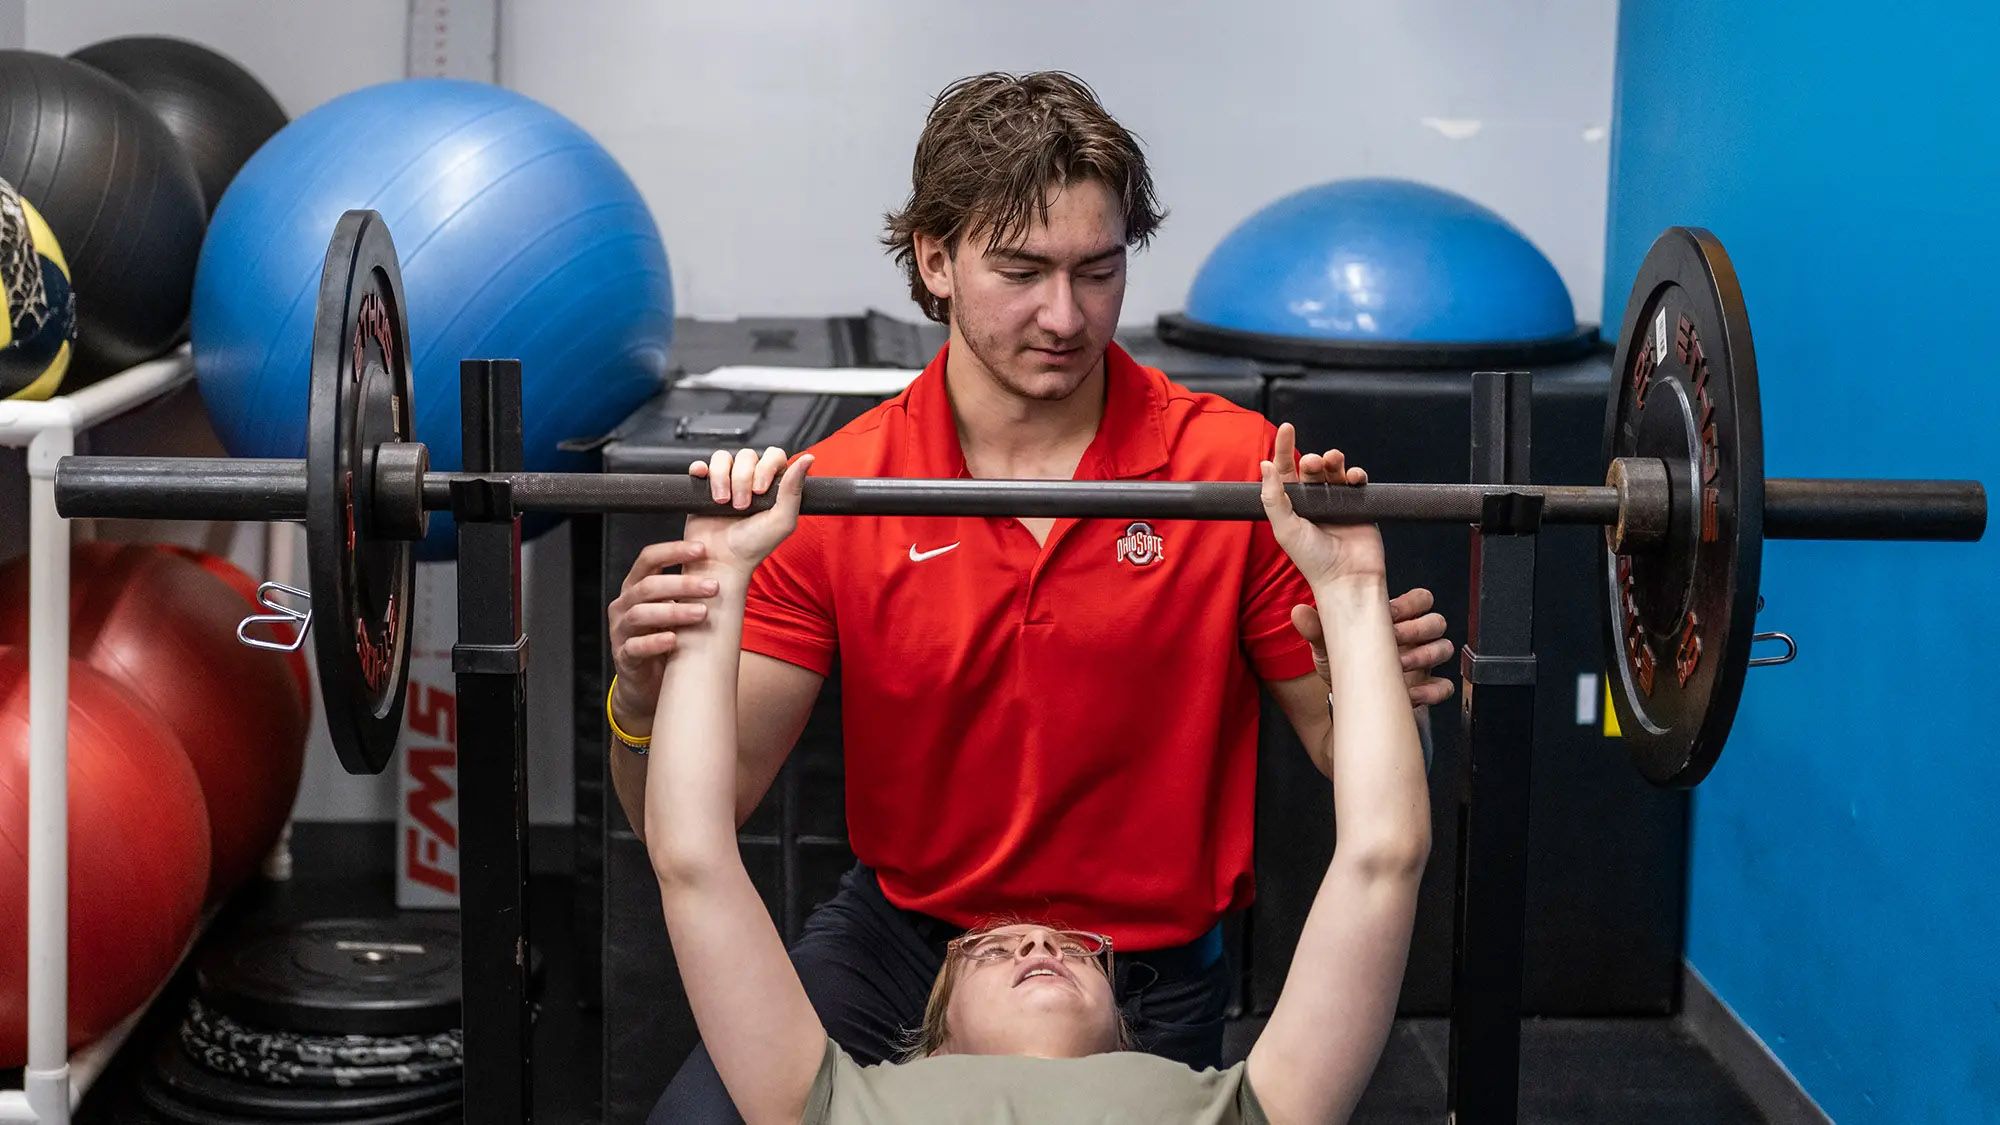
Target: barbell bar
223 488
1684 506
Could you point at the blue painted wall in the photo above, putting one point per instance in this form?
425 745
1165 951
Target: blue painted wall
1845 888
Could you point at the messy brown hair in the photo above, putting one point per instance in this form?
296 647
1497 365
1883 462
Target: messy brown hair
930 1037
991 148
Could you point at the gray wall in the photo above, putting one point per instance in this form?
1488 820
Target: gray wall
306 51
769 138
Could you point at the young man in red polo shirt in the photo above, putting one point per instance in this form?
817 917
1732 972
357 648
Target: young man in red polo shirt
1050 718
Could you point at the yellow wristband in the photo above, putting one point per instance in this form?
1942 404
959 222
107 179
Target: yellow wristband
639 743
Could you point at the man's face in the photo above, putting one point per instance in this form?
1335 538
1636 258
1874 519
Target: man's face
1039 313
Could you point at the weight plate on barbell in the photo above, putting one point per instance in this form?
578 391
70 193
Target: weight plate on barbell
362 581
1680 616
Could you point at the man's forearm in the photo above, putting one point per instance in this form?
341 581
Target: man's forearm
1424 739
774 699
627 766
628 780
633 715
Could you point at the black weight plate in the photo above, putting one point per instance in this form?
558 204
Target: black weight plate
339 976
1679 619
180 1088
167 1109
272 1070
260 1049
362 583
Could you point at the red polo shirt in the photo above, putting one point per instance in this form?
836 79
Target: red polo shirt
1063 731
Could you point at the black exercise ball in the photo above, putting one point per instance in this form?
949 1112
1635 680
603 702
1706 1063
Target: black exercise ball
119 193
215 108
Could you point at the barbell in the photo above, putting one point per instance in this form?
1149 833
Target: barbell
1685 505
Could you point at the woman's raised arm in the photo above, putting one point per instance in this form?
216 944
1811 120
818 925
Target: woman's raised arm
753 1014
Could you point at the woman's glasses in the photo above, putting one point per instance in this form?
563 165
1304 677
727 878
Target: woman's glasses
990 946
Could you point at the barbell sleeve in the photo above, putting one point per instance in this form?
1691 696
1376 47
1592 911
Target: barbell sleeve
1952 510
181 488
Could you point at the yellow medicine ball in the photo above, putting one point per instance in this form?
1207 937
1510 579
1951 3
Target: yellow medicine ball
37 305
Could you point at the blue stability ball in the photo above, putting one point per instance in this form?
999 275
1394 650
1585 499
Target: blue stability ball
519 238
1380 261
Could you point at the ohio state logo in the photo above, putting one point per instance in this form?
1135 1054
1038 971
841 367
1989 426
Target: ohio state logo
1139 546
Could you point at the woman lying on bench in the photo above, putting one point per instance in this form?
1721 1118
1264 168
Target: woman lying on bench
1021 1024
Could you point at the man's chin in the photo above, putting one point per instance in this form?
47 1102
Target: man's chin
1048 383
1042 390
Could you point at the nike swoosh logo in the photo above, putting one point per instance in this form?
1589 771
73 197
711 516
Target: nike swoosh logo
919 556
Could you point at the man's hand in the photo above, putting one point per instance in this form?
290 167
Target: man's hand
1420 641
1420 635
651 605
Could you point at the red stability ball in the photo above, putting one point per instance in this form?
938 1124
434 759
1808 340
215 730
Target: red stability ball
138 853
165 629
240 581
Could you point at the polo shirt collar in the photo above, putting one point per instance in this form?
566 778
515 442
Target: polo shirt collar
1131 439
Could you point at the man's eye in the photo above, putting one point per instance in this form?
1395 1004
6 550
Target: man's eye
1105 275
1018 275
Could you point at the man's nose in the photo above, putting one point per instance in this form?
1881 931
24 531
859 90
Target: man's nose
1061 316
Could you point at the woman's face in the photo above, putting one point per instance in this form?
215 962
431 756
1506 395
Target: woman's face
1031 990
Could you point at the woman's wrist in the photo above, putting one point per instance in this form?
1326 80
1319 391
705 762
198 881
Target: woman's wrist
1348 590
730 576
1354 613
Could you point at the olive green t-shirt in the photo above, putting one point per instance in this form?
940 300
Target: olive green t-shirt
1123 1086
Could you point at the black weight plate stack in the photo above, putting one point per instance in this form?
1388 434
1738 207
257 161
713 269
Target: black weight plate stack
179 1089
277 1058
336 1019
340 976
